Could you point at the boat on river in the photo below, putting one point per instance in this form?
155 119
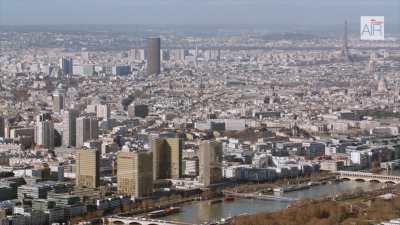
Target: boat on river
164 212
229 198
290 188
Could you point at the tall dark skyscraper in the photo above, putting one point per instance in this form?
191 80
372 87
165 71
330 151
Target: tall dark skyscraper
2 126
86 129
153 56
69 128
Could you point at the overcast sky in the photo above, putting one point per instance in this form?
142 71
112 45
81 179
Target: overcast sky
304 12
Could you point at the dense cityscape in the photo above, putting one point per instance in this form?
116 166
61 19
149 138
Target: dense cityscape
161 125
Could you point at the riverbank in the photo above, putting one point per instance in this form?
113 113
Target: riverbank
199 212
267 187
359 207
196 209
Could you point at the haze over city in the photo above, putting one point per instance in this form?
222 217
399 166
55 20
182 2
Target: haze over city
266 12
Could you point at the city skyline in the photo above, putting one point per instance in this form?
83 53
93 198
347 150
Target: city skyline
185 112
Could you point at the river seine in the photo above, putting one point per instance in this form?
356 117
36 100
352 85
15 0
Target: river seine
202 212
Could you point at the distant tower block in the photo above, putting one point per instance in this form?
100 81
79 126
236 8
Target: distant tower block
153 56
345 53
66 65
372 64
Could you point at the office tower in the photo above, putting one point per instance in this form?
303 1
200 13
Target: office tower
210 162
69 128
153 56
2 126
66 65
167 158
134 173
345 48
87 168
58 101
44 134
103 111
86 129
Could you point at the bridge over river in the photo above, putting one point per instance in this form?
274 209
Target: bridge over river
260 196
355 175
117 220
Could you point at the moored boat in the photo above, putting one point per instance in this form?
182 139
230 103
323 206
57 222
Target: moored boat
229 198
164 212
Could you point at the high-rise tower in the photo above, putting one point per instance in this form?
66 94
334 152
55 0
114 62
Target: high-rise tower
2 125
44 132
87 168
134 173
153 56
69 128
66 65
167 158
86 129
210 159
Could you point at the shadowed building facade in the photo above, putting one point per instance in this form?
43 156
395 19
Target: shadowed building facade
167 158
210 162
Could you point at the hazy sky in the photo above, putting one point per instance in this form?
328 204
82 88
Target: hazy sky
304 12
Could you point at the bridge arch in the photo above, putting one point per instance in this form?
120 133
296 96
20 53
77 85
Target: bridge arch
390 182
118 222
362 176
360 179
374 181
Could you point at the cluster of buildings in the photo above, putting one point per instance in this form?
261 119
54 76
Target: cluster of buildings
86 133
